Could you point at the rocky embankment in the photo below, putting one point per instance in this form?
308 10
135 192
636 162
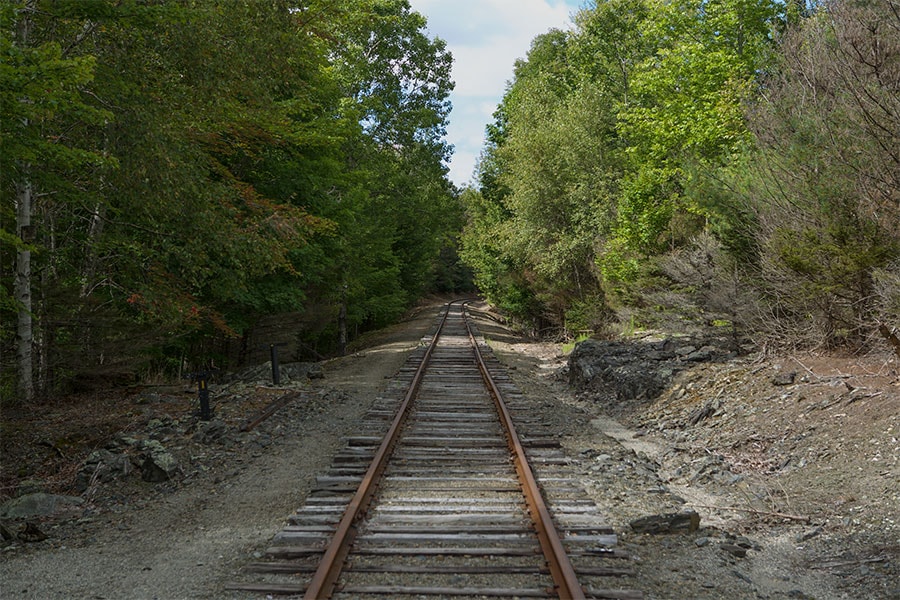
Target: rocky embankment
171 446
632 371
796 455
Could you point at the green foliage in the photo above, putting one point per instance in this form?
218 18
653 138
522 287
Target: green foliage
201 165
606 145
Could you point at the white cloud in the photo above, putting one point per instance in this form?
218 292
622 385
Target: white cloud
486 37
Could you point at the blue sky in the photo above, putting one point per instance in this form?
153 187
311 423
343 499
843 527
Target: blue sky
486 37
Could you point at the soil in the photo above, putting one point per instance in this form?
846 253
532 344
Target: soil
797 485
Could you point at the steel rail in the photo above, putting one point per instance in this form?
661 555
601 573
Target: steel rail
561 569
329 569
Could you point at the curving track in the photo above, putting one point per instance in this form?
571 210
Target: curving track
440 496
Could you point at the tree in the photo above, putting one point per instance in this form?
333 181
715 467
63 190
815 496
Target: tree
548 177
397 207
42 104
200 165
685 112
824 182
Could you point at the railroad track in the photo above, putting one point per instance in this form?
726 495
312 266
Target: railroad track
452 488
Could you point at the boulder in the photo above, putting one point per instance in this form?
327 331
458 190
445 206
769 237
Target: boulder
638 369
684 522
38 505
158 463
102 465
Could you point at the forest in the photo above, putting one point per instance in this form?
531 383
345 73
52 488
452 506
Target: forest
172 172
677 163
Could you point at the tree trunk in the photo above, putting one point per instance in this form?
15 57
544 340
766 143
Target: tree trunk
22 292
342 322
89 272
22 284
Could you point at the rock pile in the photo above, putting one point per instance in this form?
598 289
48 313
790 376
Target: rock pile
289 373
639 370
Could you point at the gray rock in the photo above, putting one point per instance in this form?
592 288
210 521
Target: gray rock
316 371
734 550
636 369
747 543
782 379
102 465
38 505
210 432
803 537
683 522
701 355
158 464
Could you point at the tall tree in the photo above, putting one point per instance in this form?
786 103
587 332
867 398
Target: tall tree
42 107
824 183
200 165
686 110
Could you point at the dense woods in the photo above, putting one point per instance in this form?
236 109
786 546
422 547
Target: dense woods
174 171
669 163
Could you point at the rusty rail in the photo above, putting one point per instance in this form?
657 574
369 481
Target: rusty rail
435 487
561 568
270 409
329 569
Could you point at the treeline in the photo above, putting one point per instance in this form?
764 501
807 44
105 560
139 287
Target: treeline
682 162
174 170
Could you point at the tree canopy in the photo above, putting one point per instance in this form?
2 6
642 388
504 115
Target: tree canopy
194 166
738 155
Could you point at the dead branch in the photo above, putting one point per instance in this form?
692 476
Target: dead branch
765 513
890 336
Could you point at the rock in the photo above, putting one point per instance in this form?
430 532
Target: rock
701 355
316 372
704 412
782 379
211 431
159 464
38 505
637 369
708 469
747 543
734 550
683 522
803 537
102 465
30 533
742 577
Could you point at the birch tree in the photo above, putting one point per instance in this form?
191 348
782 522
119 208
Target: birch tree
40 97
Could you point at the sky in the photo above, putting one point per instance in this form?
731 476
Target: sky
485 37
